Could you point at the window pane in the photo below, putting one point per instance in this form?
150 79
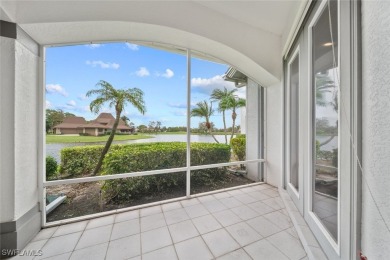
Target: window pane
76 135
326 118
82 199
294 122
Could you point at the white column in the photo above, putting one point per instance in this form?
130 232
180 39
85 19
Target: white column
19 116
376 129
252 129
274 135
7 125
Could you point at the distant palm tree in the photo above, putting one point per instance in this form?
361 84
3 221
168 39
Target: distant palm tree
203 109
233 103
222 96
126 120
324 84
117 98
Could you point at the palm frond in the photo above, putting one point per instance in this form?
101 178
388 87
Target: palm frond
96 105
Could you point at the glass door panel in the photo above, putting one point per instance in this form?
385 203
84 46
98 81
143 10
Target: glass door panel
294 122
325 130
294 178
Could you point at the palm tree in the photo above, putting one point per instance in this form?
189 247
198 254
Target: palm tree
324 84
233 103
116 98
203 109
222 96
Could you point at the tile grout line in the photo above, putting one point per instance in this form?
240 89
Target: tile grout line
109 240
170 235
140 238
214 199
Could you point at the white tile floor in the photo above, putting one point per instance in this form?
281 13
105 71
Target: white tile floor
247 223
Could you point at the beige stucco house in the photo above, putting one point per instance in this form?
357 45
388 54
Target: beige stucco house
102 124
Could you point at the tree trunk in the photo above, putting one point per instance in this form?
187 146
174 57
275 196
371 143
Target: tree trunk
328 141
234 116
215 139
224 125
108 144
208 125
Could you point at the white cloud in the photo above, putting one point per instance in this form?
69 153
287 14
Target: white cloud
142 72
56 89
168 74
180 105
82 97
71 103
48 104
103 65
207 85
94 45
180 112
132 46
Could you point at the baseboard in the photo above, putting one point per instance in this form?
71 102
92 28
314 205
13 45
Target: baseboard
15 235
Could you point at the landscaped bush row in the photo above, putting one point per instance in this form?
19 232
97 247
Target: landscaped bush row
146 157
238 144
51 167
81 160
158 156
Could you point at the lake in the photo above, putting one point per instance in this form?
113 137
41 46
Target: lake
54 149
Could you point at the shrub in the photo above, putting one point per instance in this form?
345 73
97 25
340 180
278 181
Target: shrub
239 147
51 167
335 157
81 160
84 134
155 156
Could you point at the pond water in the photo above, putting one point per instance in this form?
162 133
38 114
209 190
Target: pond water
54 149
329 146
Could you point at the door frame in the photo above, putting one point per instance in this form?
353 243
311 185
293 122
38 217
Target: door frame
296 195
350 179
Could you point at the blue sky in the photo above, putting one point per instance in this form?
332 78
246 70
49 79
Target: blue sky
73 70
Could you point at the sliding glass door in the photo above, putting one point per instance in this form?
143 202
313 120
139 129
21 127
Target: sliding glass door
325 117
320 122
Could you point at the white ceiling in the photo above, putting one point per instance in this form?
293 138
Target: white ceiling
271 16
246 34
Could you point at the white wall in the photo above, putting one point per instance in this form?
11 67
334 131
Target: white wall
376 129
26 126
274 138
7 79
18 129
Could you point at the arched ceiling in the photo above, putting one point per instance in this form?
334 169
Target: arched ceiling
245 34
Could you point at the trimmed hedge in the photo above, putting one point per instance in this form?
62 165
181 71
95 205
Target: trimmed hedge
239 147
81 160
51 167
156 156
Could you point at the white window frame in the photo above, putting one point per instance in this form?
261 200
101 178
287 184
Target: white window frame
296 195
43 183
314 222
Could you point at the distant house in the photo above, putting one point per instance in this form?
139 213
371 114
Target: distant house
70 125
99 126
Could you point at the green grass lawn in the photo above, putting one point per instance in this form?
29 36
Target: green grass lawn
91 139
183 133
